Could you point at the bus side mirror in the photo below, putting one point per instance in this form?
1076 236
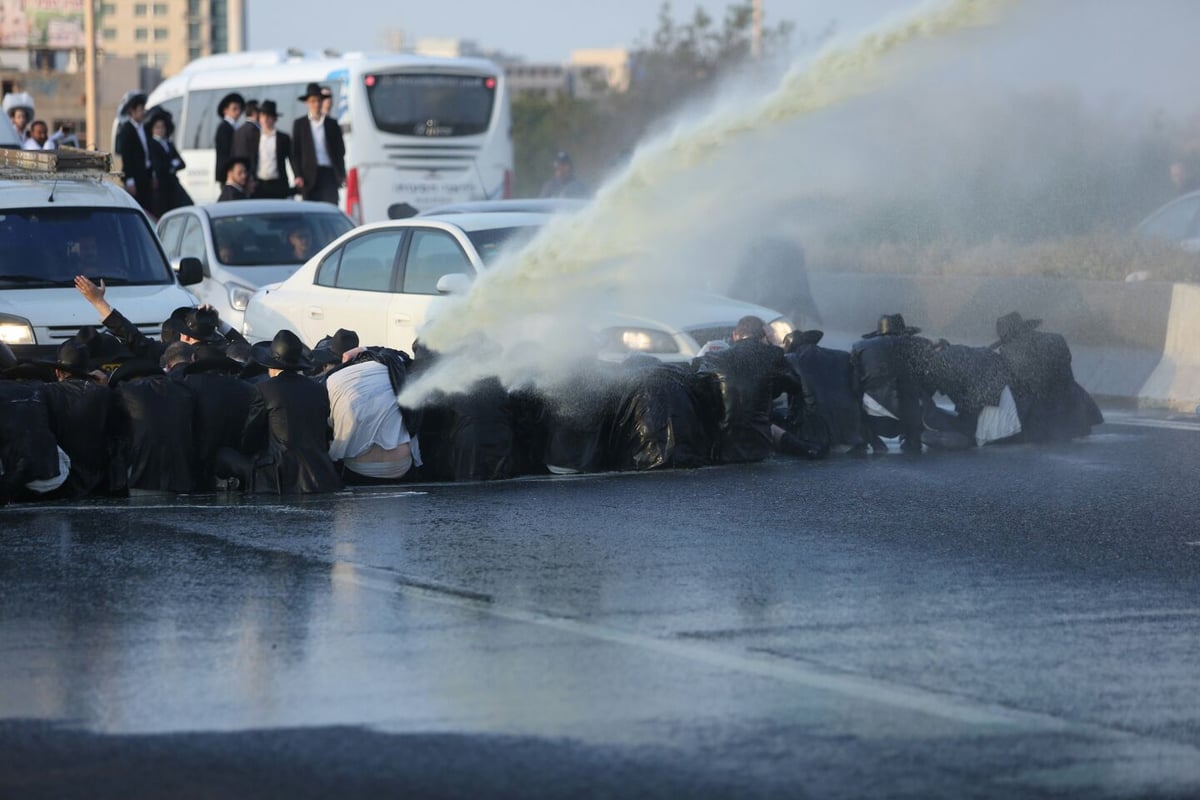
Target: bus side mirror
191 271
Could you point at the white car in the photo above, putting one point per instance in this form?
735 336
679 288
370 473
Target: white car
1177 222
247 244
381 281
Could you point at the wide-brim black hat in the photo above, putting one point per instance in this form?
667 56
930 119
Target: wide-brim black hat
73 357
285 352
135 368
155 115
195 323
312 90
1013 324
129 101
31 371
229 163
892 325
232 97
269 108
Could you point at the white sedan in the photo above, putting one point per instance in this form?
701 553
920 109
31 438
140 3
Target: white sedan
381 281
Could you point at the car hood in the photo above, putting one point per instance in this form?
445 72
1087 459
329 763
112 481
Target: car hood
65 307
684 310
267 274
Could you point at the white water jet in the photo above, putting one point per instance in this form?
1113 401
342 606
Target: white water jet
626 251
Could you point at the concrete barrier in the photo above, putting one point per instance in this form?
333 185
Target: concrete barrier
1131 342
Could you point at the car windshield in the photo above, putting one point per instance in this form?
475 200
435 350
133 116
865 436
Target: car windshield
492 242
43 247
254 240
428 104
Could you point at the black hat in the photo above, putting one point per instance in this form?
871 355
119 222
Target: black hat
797 338
105 351
561 157
285 352
232 97
331 349
195 323
1013 324
135 368
157 113
73 357
269 109
892 325
130 100
230 162
251 107
210 358
312 90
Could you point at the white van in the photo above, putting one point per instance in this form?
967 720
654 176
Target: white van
63 214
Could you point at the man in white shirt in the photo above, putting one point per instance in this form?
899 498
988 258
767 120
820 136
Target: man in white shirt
271 156
369 435
318 151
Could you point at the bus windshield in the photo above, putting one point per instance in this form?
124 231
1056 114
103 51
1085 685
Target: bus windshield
428 104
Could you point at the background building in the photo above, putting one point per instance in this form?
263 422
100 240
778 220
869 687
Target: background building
167 34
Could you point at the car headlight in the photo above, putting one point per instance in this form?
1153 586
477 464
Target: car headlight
778 330
640 340
16 330
239 297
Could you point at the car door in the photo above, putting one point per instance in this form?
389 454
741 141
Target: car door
353 289
430 254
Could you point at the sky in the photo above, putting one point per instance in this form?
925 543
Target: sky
535 29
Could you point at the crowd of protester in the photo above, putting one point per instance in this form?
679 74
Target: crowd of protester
200 409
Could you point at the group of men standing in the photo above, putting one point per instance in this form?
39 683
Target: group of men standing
252 155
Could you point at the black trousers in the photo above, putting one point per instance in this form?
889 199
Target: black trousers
276 189
325 190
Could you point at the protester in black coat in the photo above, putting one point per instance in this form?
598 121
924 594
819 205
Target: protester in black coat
1049 401
888 365
658 423
80 416
973 378
222 406
166 163
469 436
287 430
828 405
28 449
748 376
153 427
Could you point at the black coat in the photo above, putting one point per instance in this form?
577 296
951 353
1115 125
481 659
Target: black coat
972 377
469 436
890 369
222 406
578 418
223 142
231 192
245 141
28 449
167 163
1050 403
81 417
304 154
828 399
748 377
133 161
283 155
659 423
154 429
287 430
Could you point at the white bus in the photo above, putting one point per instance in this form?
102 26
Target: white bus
419 131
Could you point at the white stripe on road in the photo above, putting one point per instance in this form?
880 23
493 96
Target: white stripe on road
1150 422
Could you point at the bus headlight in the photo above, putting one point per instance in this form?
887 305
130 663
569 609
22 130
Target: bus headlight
16 330
778 330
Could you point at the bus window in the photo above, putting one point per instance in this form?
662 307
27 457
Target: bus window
431 105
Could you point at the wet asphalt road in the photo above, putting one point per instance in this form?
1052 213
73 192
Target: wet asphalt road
1010 622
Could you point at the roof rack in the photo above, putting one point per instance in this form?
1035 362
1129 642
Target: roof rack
65 161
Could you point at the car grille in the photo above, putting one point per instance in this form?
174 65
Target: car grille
60 333
705 335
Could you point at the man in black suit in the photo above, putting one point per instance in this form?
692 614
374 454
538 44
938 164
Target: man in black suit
318 152
134 147
272 149
237 173
230 112
285 444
